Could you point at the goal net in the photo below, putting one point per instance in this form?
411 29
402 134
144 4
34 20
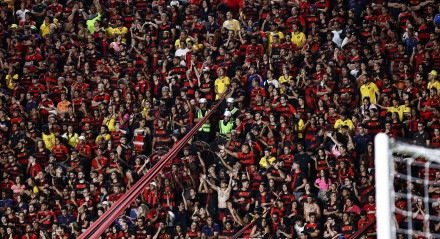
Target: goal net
407 189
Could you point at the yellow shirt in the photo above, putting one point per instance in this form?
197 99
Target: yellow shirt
49 140
10 80
284 79
72 140
116 31
271 35
347 122
44 29
394 109
197 47
299 39
177 42
369 90
105 137
221 84
300 128
232 25
266 162
435 84
401 110
111 124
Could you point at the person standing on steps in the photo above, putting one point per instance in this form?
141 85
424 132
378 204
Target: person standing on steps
204 131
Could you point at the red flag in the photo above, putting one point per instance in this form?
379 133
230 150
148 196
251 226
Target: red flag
234 4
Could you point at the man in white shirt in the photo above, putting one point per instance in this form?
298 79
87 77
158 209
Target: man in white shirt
181 52
271 80
21 13
337 34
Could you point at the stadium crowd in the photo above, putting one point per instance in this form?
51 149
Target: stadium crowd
93 92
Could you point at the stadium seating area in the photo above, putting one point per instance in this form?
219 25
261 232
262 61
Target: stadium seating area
94 92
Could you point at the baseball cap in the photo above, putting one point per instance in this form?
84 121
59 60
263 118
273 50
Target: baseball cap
227 113
433 72
230 100
203 101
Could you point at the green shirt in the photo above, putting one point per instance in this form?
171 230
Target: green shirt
91 23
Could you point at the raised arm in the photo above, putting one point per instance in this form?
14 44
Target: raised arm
231 174
199 156
227 166
233 154
213 186
98 6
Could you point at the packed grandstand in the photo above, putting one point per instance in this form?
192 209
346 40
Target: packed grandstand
93 94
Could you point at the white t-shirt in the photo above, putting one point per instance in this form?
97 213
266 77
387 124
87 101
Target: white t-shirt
298 228
181 52
274 82
21 14
337 37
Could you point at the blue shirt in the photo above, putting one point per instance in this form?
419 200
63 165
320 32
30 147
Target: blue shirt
6 203
65 220
31 105
209 231
410 43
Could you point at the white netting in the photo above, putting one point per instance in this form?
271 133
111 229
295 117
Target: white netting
415 172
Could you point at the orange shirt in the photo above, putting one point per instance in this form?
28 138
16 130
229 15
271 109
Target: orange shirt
63 106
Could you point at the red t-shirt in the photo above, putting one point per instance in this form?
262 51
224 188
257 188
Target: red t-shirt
246 159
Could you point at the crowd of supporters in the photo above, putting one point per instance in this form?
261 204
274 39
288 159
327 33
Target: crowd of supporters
94 92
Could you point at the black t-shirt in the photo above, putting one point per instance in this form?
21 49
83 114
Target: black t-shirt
341 138
304 161
395 11
361 143
39 8
297 180
421 137
182 218
212 28
348 229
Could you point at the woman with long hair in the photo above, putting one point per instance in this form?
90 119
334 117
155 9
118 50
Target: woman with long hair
323 184
261 229
419 213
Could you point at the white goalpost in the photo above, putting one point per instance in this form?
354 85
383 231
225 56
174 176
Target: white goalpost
384 186
407 178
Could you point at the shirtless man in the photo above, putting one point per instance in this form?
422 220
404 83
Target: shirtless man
311 207
223 192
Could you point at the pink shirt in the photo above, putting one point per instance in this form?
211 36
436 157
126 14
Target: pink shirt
17 189
323 184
